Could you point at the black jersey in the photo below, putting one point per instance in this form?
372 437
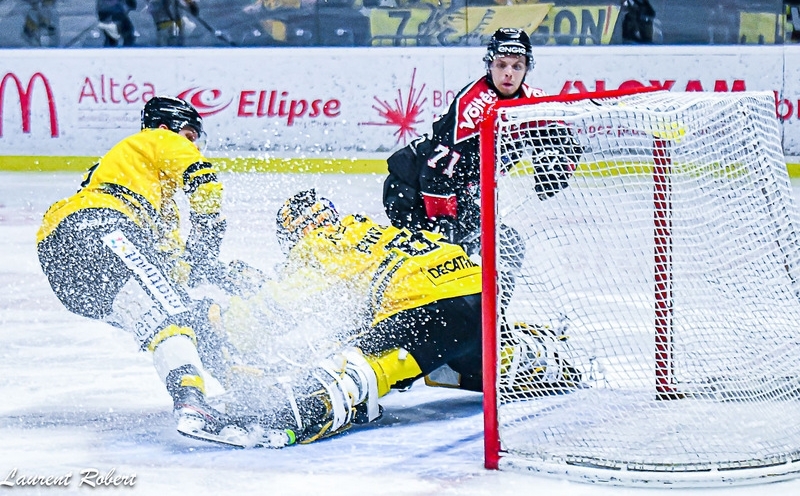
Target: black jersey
437 179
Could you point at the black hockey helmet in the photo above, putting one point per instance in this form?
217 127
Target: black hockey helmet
171 112
509 41
301 214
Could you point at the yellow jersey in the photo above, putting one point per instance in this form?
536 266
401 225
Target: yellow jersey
394 268
139 177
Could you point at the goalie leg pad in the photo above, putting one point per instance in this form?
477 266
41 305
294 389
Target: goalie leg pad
357 365
353 383
341 391
392 367
536 359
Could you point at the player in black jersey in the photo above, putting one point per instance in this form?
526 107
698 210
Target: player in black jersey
434 182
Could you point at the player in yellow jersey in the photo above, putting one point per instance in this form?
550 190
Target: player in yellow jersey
421 311
112 251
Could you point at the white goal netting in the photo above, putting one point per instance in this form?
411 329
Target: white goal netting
668 274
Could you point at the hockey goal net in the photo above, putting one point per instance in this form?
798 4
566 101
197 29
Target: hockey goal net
664 281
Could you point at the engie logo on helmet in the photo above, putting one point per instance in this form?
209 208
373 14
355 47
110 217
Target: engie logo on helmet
511 49
25 95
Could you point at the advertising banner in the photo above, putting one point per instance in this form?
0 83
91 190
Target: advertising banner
337 104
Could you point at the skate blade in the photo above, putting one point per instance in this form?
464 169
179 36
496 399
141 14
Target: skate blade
235 436
272 438
230 435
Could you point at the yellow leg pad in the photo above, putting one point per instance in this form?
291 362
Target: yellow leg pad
168 332
392 367
194 381
506 357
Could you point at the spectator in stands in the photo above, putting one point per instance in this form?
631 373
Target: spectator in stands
115 23
636 23
41 23
793 17
171 25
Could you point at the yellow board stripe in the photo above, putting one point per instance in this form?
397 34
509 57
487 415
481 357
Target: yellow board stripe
288 165
45 164
239 164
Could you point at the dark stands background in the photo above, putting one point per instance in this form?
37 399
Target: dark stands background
73 23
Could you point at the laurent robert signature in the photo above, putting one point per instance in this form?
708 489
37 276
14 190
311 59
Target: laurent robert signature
90 477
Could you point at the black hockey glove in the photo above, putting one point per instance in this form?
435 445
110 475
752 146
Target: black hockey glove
554 153
558 136
194 8
552 172
456 234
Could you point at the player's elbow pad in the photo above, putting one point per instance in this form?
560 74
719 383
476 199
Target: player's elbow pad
202 187
402 204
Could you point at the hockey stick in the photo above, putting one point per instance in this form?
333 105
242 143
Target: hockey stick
80 35
220 35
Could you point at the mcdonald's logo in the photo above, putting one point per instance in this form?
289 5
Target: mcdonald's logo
25 95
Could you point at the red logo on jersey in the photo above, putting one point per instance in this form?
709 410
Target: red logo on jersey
472 105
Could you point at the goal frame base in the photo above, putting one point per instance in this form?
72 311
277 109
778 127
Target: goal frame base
693 479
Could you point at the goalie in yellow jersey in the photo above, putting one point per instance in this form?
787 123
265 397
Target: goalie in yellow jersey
112 251
421 311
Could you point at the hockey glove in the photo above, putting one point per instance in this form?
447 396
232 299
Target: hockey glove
236 278
552 172
449 228
553 151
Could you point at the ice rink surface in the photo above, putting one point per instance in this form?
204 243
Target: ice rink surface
77 396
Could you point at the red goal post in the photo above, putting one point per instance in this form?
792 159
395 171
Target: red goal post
660 280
